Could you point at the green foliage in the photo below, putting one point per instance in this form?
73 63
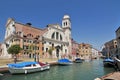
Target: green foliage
50 50
14 49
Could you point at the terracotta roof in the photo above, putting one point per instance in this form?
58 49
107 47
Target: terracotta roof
26 29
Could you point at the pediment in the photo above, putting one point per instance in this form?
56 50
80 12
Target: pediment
9 21
55 26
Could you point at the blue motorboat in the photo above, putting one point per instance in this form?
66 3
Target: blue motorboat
64 62
109 62
78 60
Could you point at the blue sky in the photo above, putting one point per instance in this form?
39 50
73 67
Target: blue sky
93 21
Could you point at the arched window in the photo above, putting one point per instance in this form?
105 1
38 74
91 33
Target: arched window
64 23
61 37
57 35
53 36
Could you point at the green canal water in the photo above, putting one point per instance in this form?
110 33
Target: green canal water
76 71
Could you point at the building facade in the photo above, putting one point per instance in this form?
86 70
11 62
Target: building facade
95 53
118 42
0 49
58 38
39 41
110 48
75 49
85 51
28 37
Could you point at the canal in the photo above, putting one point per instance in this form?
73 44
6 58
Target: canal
76 71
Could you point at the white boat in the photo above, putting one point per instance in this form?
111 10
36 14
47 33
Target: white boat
27 67
64 62
118 62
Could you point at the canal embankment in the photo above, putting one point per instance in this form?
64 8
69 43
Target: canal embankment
110 76
4 68
76 71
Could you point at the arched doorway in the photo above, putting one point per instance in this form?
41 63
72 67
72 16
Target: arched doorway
57 51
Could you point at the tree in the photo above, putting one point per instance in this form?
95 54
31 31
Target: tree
14 50
50 51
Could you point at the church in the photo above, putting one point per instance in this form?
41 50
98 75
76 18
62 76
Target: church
52 41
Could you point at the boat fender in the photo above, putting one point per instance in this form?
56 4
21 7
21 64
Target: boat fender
41 68
25 71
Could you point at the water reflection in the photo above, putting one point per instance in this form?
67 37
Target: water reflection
77 71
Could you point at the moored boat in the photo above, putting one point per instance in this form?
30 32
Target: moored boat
78 60
108 62
64 62
27 67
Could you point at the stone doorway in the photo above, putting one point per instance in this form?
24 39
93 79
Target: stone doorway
57 51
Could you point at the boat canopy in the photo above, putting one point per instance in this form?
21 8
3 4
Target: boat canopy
108 59
64 60
22 64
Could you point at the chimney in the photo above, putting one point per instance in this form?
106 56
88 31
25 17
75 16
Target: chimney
28 24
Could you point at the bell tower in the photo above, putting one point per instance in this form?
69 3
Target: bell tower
66 25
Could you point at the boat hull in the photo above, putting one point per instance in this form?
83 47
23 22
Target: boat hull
64 64
78 60
28 70
108 64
